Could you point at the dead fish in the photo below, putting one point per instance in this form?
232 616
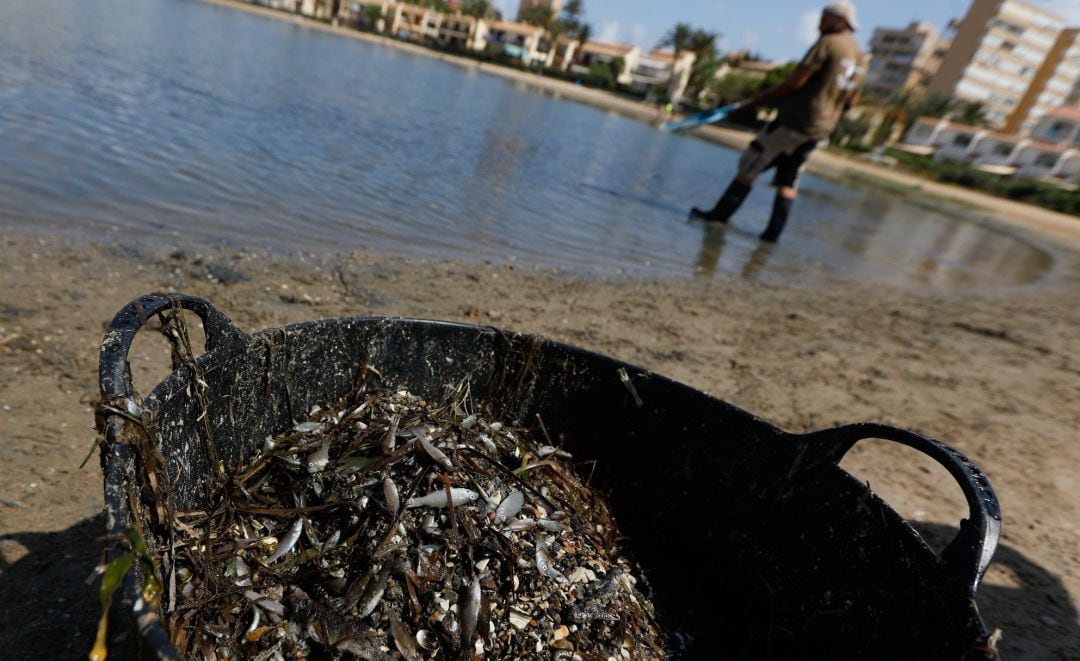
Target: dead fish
265 603
389 440
544 563
435 453
318 459
390 493
307 427
509 507
373 594
403 640
460 496
287 542
242 572
469 609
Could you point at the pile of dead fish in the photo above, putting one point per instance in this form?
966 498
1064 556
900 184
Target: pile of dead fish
386 527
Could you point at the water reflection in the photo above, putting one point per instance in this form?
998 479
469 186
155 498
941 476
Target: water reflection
713 238
178 121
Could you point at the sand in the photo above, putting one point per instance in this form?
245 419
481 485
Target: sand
994 374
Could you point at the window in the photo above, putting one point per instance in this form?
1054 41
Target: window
962 140
1002 149
1046 160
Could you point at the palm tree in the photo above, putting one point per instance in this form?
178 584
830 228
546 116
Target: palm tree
541 16
477 9
972 113
678 38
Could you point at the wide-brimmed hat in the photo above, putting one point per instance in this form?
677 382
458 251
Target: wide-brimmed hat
844 10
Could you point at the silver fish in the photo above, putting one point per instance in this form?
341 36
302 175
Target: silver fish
390 493
435 453
469 608
403 640
265 603
369 601
318 459
288 541
509 507
460 496
544 563
389 440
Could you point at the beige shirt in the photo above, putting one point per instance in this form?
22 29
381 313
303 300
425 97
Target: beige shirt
838 67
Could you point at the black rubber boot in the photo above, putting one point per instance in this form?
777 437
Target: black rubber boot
726 206
781 208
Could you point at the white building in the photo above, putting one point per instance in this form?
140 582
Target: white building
999 153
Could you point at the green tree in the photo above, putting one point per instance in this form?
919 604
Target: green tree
539 15
677 38
779 74
972 113
933 105
733 87
373 14
478 9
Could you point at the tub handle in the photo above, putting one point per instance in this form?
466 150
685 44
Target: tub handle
113 372
968 555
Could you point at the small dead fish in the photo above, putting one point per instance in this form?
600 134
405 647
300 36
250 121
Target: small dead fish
242 572
318 459
435 453
265 603
403 640
389 440
544 563
330 542
287 542
390 493
522 525
429 526
509 507
460 496
469 610
373 594
551 526
307 427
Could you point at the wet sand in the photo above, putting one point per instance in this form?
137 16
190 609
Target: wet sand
996 375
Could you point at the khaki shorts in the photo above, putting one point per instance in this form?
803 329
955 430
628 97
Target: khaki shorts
780 147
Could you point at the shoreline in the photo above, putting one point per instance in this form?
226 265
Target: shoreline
1062 228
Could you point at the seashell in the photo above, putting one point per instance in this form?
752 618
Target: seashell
427 640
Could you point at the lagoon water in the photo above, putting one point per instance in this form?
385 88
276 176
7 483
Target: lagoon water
177 122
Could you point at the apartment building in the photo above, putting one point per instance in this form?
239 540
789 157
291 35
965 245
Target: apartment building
660 69
903 59
1056 83
1051 153
998 48
607 52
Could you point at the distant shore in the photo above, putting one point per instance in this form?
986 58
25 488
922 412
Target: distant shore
1062 228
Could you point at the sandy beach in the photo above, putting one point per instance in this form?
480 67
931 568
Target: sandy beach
993 373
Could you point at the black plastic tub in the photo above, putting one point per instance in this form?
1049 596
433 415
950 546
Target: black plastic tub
756 543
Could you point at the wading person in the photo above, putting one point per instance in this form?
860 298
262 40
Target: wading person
809 103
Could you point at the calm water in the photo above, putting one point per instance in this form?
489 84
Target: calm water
177 122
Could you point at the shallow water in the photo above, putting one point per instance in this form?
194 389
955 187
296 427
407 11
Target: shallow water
172 121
